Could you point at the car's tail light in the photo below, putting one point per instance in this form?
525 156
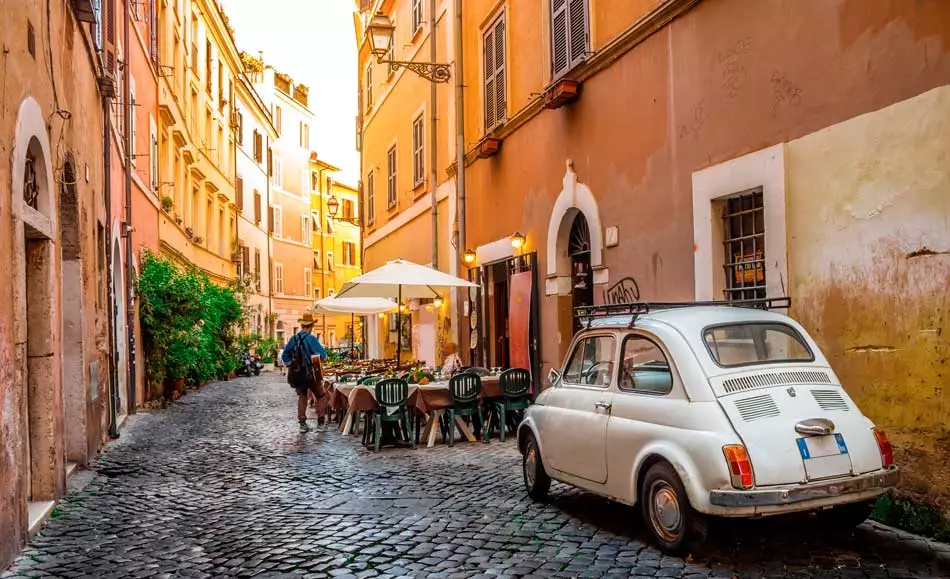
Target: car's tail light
884 445
740 467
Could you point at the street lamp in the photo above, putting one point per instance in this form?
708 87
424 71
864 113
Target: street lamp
380 34
469 257
517 240
333 207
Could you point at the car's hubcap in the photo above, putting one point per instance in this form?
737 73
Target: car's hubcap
530 464
666 515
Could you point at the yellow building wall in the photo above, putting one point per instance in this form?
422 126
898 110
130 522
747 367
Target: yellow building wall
868 205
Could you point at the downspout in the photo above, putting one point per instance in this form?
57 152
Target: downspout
460 148
323 254
433 136
127 228
272 330
110 298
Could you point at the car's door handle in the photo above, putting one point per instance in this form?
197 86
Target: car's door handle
604 405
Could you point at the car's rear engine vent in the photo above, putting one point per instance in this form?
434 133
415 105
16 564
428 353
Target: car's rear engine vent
733 385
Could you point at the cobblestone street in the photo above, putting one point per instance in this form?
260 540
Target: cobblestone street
222 484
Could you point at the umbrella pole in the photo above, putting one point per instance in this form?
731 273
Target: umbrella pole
399 328
352 333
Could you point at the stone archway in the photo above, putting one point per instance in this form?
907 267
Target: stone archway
37 320
575 205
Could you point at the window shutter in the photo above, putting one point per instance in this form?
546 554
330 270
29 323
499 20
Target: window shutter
246 259
110 21
578 31
257 207
500 99
559 43
270 219
270 162
489 50
239 193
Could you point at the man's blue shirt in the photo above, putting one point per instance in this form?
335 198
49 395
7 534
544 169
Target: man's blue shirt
310 343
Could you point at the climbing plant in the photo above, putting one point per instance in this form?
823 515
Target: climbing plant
189 324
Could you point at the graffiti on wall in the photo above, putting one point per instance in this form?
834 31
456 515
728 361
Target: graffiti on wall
623 292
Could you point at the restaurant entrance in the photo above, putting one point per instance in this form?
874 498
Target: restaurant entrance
503 315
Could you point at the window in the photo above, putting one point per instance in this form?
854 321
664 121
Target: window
317 264
307 281
315 221
278 172
278 118
257 207
391 177
317 293
592 362
349 253
153 156
314 181
331 292
755 343
304 135
258 147
239 193
369 88
569 42
133 128
305 232
418 151
349 209
208 66
257 268
245 260
330 227
330 261
416 15
744 240
645 367
370 199
493 49
278 278
239 127
278 221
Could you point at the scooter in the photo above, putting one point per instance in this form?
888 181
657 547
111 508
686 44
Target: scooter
250 364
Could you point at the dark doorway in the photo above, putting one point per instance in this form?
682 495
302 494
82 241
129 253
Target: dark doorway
582 279
499 321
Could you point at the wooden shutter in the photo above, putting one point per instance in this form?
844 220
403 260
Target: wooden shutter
488 43
577 13
559 44
257 267
270 220
110 21
501 112
257 207
270 162
239 193
246 259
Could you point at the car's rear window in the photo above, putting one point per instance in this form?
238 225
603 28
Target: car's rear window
751 343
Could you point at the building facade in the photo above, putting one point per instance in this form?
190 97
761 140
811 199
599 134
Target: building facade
199 63
254 133
57 380
665 150
289 212
407 148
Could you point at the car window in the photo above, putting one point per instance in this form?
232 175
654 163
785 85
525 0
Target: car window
592 362
645 367
755 343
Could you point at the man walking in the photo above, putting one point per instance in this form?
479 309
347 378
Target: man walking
313 355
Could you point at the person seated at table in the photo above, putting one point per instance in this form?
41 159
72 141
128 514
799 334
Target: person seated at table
452 363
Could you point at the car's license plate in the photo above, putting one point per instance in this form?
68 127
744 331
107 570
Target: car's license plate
818 446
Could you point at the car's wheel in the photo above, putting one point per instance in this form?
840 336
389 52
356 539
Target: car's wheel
846 517
536 479
666 509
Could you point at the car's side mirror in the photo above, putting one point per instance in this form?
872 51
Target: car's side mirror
554 377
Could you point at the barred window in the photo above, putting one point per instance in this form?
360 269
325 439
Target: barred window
744 241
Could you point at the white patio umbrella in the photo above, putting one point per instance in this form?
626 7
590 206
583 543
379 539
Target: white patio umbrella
354 306
401 279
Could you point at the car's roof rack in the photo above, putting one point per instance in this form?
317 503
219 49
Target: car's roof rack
634 309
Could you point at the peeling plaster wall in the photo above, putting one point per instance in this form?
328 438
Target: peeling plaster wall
869 261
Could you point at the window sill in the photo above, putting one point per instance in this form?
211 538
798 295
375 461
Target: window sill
417 33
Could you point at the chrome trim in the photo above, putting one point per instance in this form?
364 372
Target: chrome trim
815 427
876 481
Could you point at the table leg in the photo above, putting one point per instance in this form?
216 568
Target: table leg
433 427
463 428
348 423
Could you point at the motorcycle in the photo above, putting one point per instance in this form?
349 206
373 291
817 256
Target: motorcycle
250 365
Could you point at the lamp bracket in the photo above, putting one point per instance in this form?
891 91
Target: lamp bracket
431 71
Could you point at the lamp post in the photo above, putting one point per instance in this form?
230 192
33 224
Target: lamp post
333 207
380 34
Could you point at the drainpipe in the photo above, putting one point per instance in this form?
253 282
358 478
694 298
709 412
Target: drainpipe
323 253
107 190
127 228
460 144
270 266
433 136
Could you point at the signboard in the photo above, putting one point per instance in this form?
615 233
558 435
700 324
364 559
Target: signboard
749 268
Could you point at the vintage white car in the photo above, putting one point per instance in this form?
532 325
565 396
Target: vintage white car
704 410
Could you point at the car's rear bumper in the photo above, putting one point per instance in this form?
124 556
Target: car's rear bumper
861 487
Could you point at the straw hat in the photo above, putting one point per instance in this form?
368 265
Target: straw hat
306 320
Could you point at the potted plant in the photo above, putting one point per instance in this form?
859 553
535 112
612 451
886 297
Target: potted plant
167 203
189 232
198 240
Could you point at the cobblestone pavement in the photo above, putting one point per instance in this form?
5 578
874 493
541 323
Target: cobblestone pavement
221 484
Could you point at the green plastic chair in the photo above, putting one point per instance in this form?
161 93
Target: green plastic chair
369 380
515 395
465 389
477 370
392 396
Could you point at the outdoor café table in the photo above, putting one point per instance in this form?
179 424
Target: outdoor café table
430 400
